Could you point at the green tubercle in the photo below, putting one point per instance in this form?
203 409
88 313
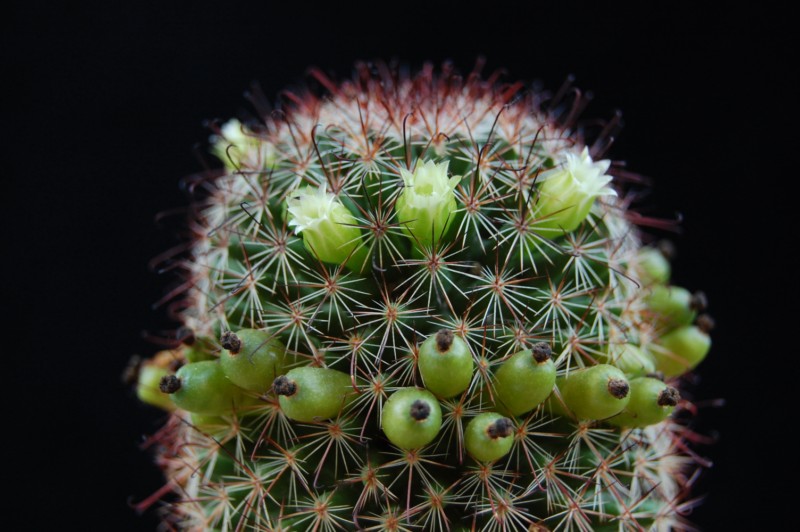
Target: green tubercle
445 363
489 436
203 388
597 392
313 394
251 358
411 418
651 401
525 380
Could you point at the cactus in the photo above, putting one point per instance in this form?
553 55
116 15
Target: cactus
423 303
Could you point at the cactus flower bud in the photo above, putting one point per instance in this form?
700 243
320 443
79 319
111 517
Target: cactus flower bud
567 193
428 202
328 229
234 147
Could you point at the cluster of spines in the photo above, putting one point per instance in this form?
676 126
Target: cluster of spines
500 274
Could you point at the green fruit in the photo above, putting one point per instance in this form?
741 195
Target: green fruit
445 364
489 436
251 359
411 418
597 392
673 306
311 394
681 350
525 380
147 386
631 359
651 401
202 388
653 267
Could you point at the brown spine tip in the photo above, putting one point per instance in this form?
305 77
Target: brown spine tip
699 301
619 388
444 339
169 384
501 428
669 396
420 410
541 351
668 249
705 323
283 386
231 342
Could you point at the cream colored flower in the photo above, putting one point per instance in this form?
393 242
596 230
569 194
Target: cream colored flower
328 228
428 202
567 193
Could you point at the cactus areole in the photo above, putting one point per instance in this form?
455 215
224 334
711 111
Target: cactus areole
420 303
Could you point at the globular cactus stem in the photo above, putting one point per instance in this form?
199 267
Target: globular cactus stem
419 303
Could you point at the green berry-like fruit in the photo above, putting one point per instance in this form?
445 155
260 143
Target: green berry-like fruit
312 394
525 380
489 436
631 359
202 388
651 401
411 418
597 392
681 350
445 364
673 306
251 359
147 386
653 267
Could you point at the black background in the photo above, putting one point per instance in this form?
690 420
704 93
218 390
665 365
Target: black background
107 105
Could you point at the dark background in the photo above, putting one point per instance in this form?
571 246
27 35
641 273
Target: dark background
107 106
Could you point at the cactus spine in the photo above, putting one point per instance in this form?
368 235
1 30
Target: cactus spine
404 231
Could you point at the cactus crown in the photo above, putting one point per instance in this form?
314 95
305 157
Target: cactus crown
350 228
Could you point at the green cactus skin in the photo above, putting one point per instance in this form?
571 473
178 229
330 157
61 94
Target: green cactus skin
344 231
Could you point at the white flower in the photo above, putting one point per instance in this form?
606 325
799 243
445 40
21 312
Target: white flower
328 228
428 201
567 193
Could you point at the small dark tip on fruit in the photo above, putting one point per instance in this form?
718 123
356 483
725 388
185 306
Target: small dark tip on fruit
541 351
656 375
699 301
231 342
420 410
169 384
444 339
705 323
667 248
501 428
619 388
669 396
283 386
